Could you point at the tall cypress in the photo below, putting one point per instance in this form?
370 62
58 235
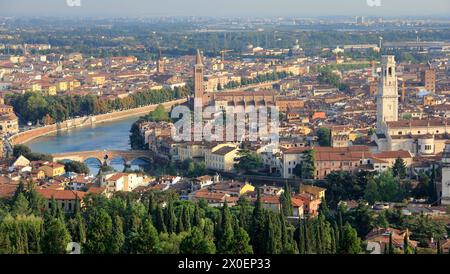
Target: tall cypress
226 238
337 238
258 226
270 236
306 228
196 220
180 224
160 224
301 235
391 246
186 218
333 241
170 218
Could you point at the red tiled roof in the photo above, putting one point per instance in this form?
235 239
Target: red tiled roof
7 190
61 194
393 154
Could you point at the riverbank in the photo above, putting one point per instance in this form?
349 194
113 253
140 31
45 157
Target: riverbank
29 135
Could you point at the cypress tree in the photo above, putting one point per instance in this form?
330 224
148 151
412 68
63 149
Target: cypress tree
258 226
151 203
180 224
270 236
405 244
391 246
160 225
439 247
350 240
337 238
241 242
226 230
319 240
186 218
170 218
196 220
340 227
149 240
301 235
333 241
56 237
307 248
285 201
118 237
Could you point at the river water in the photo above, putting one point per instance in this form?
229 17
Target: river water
112 135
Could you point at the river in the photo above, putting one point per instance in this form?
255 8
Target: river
112 135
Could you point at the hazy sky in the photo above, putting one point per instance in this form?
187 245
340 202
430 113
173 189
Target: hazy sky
223 7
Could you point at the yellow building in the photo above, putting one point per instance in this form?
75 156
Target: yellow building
62 86
246 188
318 192
98 79
221 157
35 87
52 169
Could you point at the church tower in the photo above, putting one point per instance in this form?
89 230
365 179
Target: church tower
160 64
198 76
387 97
445 191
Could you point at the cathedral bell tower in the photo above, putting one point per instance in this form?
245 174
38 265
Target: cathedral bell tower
387 96
198 77
160 64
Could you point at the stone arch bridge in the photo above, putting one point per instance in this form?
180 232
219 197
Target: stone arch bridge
101 155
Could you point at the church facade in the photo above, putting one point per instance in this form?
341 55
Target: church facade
243 98
420 137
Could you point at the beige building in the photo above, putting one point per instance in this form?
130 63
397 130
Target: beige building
420 137
9 123
221 157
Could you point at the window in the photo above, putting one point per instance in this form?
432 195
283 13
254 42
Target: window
289 170
400 133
